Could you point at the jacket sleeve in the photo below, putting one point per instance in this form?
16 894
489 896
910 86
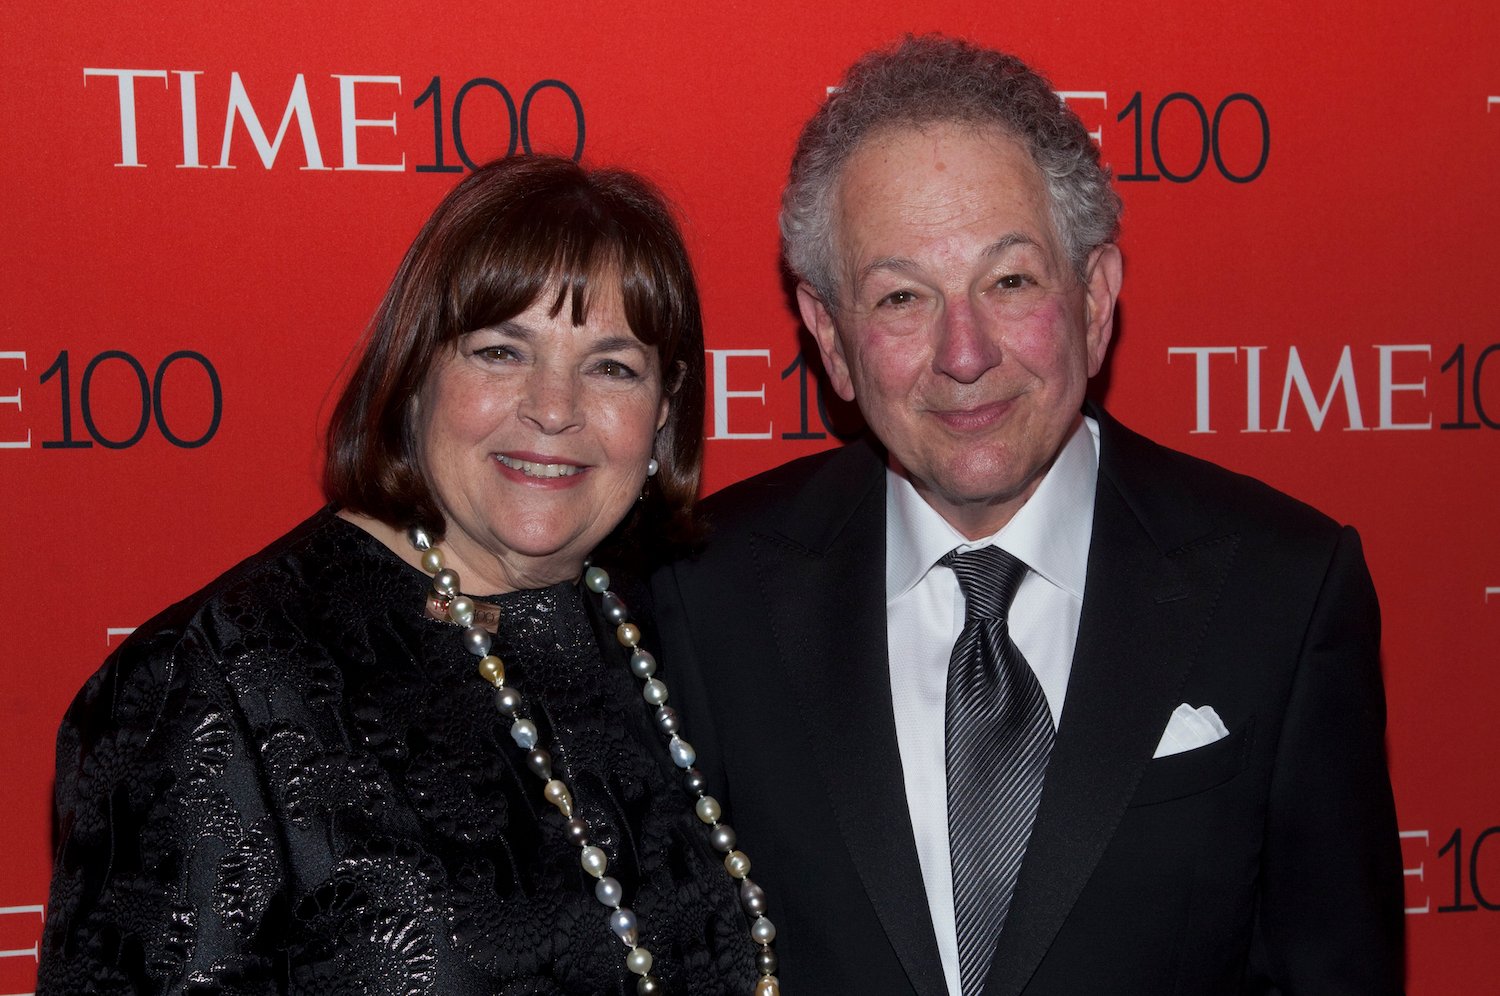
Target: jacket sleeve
168 868
1330 918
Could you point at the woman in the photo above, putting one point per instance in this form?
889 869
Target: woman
336 769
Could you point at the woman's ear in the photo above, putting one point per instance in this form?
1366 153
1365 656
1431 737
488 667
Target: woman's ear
673 379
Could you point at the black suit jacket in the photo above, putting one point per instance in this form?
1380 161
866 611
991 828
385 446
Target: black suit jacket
1264 863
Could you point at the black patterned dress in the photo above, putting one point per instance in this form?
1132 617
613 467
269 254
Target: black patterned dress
294 782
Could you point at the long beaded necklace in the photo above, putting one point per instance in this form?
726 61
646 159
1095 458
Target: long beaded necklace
479 621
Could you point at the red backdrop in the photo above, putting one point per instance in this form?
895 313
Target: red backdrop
1309 230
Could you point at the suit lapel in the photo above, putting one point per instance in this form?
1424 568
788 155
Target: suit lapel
822 574
1154 574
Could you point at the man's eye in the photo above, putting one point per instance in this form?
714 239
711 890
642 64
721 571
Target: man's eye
896 298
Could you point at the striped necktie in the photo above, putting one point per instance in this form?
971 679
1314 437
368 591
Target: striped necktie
999 736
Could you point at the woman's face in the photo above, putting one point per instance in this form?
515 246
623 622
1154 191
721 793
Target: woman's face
534 435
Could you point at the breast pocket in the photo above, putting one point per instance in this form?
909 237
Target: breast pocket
1177 776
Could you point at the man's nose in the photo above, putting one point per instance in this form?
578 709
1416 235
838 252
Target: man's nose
967 345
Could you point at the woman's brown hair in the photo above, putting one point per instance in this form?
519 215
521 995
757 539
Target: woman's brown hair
509 232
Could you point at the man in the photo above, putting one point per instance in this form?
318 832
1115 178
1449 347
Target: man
1136 749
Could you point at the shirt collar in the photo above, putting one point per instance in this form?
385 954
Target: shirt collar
1050 533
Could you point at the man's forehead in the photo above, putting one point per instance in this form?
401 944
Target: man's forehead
901 188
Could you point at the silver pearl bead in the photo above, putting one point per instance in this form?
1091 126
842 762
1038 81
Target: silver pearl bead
622 922
682 752
445 582
753 898
614 609
707 808
667 720
477 641
419 538
648 985
642 664
461 610
508 700
578 831
654 692
693 781
608 891
765 961
597 580
762 931
652 466
540 763
722 838
638 961
523 732
593 860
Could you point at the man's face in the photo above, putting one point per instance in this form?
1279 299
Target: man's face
961 329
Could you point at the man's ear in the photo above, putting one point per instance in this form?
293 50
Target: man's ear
819 321
1102 281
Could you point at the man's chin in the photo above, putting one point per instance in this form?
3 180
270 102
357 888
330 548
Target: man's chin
976 504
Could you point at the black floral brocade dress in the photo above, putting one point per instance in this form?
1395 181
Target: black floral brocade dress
294 782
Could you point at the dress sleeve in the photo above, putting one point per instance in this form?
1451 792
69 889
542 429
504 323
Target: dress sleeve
1330 919
169 870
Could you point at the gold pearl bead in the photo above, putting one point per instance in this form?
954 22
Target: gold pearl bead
557 793
737 864
628 634
432 560
768 986
492 669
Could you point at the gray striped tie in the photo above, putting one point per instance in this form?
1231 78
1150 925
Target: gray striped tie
999 735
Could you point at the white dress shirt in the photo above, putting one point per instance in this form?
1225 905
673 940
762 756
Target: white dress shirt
925 613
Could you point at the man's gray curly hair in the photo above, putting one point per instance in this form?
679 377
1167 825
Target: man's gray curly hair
928 80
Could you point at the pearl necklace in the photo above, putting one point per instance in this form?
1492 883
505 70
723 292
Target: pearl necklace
480 619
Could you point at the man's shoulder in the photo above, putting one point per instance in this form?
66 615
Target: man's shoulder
1162 482
821 482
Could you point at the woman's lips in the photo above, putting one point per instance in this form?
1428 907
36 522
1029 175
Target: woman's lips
539 468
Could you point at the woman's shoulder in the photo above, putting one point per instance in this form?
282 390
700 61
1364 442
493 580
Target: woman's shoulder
272 609
322 558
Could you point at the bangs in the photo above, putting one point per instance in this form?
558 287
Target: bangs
571 248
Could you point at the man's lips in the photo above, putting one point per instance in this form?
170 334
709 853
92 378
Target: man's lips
539 466
972 418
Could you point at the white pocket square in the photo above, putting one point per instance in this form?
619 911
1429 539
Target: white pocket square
1189 729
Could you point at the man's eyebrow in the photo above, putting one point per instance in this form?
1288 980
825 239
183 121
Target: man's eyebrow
892 264
901 264
1009 241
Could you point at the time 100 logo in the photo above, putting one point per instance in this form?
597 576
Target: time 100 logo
1177 136
168 398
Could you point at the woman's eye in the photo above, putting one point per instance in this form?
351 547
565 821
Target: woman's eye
1012 281
499 354
615 368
